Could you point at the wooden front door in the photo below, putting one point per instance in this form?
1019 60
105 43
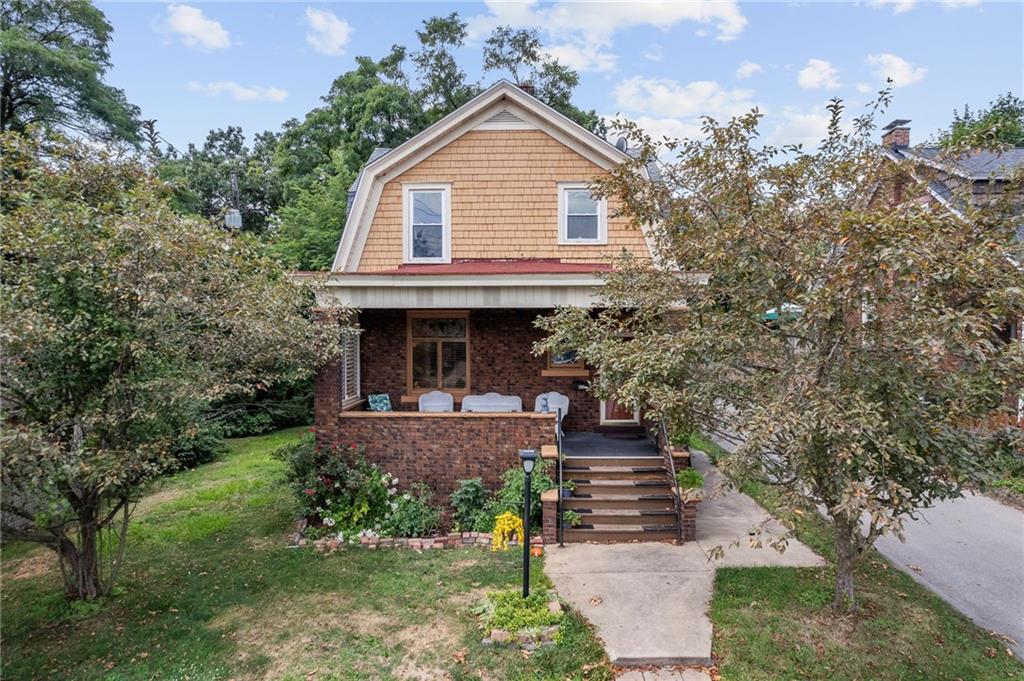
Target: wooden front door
614 413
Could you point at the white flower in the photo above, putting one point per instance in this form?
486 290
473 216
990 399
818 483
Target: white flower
406 496
329 521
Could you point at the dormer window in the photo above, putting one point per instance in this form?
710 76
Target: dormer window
427 219
582 217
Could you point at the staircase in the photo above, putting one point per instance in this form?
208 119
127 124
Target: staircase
620 499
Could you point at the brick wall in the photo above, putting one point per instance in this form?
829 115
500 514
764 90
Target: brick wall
440 449
500 361
504 201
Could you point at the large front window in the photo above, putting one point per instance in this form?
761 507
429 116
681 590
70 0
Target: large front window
438 349
427 223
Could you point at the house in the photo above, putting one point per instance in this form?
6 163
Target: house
455 242
950 181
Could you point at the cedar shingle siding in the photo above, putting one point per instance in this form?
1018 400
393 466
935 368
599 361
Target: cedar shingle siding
504 201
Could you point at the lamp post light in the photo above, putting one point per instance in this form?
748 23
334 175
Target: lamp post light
529 459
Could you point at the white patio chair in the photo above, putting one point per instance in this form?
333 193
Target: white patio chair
436 401
555 402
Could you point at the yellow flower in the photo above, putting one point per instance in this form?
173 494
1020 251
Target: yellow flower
505 526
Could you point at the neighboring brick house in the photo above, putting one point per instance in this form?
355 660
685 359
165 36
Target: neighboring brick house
982 173
455 242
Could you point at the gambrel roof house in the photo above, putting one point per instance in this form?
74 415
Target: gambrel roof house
455 242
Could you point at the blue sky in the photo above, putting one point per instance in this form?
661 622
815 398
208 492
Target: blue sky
197 66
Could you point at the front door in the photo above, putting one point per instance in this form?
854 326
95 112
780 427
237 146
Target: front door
615 414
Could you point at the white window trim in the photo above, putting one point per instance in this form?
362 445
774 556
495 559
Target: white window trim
351 388
446 209
563 222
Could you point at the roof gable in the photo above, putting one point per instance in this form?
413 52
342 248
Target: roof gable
503 104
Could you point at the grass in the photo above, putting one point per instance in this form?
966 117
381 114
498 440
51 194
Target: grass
777 623
210 591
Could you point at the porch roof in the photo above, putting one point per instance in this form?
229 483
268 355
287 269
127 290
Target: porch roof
498 266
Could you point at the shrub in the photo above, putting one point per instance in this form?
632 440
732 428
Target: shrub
507 526
509 497
468 502
198 446
572 518
508 610
338 491
412 514
1007 446
689 478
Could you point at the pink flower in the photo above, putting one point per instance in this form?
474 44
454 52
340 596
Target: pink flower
309 491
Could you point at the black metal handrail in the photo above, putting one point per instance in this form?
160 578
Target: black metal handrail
558 447
670 468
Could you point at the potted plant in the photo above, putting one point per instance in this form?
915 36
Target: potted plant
690 483
567 488
572 518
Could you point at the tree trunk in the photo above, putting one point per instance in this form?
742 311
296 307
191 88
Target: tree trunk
80 564
846 557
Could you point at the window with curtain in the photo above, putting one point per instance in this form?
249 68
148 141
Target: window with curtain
438 350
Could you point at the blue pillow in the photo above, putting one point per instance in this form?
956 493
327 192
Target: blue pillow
379 401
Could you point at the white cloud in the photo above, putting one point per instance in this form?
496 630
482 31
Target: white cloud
748 69
584 32
584 57
240 93
327 33
818 74
800 126
602 19
669 98
864 88
898 6
655 52
959 4
196 29
902 72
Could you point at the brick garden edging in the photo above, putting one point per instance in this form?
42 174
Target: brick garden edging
452 540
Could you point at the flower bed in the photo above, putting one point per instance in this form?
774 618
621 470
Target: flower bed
528 623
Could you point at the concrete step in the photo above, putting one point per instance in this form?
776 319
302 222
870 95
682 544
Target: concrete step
606 534
614 472
627 516
622 487
643 502
613 461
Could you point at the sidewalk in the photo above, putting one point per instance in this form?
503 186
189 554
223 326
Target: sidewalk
649 601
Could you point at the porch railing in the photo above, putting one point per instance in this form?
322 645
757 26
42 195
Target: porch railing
670 468
558 447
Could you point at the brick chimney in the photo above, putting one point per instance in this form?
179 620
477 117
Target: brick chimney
527 87
897 133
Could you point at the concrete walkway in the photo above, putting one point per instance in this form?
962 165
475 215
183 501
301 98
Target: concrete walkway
649 601
969 551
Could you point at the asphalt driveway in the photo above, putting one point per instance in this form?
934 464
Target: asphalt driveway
969 551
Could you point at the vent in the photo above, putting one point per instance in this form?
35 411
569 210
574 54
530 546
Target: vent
504 117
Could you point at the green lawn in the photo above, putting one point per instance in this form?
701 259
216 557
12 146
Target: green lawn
210 591
776 623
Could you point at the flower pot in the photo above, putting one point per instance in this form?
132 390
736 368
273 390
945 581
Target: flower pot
566 493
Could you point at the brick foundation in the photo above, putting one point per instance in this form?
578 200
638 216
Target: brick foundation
689 521
440 449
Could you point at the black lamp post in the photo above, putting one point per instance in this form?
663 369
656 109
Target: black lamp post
529 458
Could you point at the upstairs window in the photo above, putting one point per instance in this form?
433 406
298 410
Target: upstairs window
582 217
427 218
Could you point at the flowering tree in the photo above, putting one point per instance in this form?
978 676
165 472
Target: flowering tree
120 317
851 342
